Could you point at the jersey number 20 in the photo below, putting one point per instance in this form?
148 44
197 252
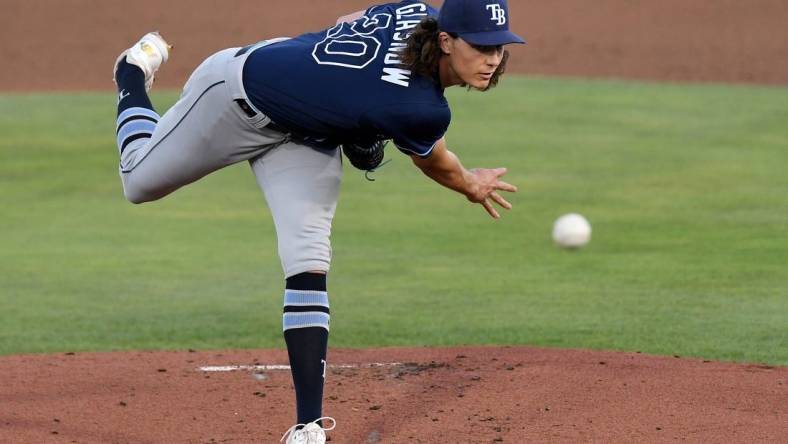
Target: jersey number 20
351 45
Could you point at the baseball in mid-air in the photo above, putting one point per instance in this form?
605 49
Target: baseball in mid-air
571 231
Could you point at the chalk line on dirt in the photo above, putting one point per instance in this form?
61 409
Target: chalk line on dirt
273 367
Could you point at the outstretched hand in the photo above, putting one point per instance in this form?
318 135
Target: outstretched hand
480 185
486 183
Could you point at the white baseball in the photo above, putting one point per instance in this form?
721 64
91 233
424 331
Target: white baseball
571 231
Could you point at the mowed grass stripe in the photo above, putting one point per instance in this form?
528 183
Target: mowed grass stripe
683 184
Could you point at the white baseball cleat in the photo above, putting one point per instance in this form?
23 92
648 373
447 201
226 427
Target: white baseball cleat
311 433
149 53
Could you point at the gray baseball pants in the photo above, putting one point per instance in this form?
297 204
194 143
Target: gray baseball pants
206 130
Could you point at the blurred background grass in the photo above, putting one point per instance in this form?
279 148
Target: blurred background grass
684 185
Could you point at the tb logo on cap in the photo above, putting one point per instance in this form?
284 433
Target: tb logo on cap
498 14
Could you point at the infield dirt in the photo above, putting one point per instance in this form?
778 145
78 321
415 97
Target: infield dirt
458 395
423 395
71 45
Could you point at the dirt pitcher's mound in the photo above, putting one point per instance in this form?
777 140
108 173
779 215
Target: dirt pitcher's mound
457 395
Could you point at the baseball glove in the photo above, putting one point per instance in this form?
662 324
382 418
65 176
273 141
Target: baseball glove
366 156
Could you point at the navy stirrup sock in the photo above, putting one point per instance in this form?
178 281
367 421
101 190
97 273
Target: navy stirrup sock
305 324
131 87
136 117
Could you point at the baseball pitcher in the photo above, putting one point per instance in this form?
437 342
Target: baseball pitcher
291 107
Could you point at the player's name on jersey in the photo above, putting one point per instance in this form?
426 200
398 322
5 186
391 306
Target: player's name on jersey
408 17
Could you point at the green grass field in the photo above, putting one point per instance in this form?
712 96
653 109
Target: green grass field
684 185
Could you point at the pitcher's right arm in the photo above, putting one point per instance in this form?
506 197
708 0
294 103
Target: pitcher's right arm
479 185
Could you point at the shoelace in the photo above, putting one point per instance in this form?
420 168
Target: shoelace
295 429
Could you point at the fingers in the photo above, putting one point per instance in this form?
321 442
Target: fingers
504 186
493 184
500 200
490 210
501 185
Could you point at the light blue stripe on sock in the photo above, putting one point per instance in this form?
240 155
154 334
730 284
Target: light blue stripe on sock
135 127
306 297
138 111
304 320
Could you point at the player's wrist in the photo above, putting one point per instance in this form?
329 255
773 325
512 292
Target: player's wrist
473 188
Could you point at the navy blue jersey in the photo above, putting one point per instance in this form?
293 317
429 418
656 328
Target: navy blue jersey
347 83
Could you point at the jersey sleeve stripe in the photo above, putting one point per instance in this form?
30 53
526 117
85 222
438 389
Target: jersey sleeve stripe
410 151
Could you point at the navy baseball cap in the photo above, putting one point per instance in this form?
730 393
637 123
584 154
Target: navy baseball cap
479 22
